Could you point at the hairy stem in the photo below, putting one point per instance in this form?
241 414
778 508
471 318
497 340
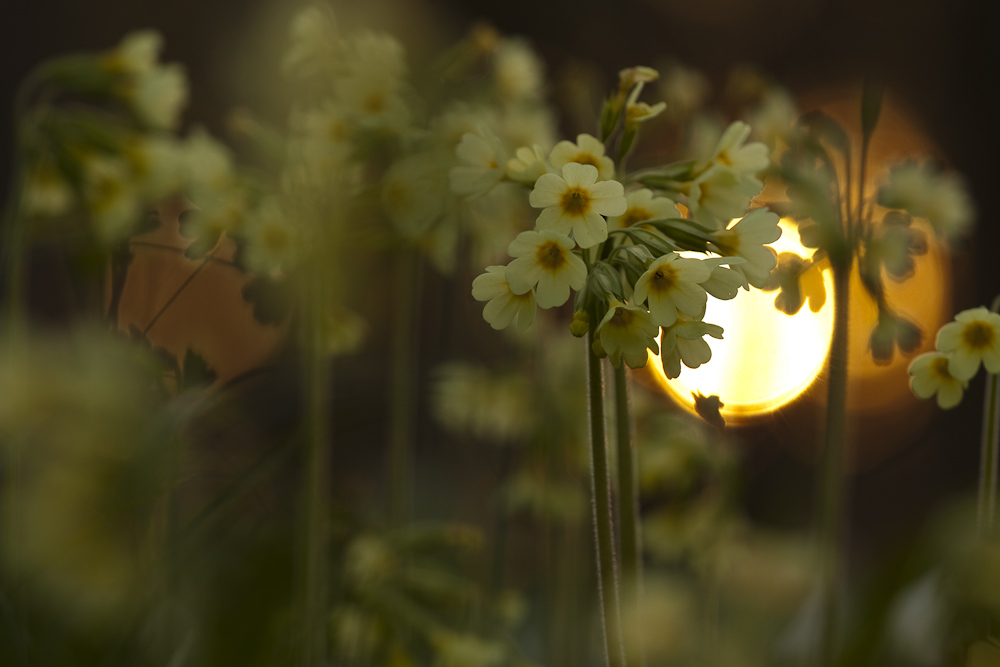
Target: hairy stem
628 512
832 501
607 580
989 453
400 461
315 575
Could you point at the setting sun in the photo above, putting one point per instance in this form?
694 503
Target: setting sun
766 357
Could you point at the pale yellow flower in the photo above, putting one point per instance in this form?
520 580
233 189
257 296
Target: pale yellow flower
503 304
974 336
720 193
747 239
527 164
415 193
627 332
112 197
671 284
684 342
643 205
545 259
159 95
930 375
586 150
517 70
45 191
733 151
576 202
482 164
271 238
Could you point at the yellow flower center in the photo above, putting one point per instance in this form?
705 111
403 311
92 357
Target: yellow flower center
978 335
374 103
664 278
939 368
551 256
622 319
634 215
575 202
724 159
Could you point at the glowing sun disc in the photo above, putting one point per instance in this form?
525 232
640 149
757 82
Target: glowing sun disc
766 358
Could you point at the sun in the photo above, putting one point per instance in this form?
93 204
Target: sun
766 357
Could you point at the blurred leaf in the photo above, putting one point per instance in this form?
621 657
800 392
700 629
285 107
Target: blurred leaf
271 299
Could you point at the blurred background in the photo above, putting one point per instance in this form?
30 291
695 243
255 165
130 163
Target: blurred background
941 65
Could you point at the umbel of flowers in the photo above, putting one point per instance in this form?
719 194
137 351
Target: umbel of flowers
619 249
616 239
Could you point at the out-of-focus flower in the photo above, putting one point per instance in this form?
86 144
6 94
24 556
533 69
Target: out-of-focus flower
747 239
315 43
79 410
494 406
415 193
482 164
733 151
503 304
671 285
577 201
527 164
930 375
112 197
517 70
973 337
270 237
526 125
626 331
924 192
458 650
683 89
137 53
774 118
586 150
545 259
159 96
45 192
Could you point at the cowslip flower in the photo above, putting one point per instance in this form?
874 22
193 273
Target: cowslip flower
974 336
733 151
414 193
271 238
483 163
517 70
684 341
586 150
527 164
545 259
626 332
939 198
503 305
642 205
576 201
747 239
929 375
671 284
721 193
159 96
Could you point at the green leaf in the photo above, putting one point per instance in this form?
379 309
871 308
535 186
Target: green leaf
871 106
271 299
195 372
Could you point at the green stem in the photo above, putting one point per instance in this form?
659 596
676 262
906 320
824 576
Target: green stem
315 579
989 453
402 417
832 488
628 513
607 581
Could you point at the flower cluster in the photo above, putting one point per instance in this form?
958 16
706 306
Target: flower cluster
616 239
972 338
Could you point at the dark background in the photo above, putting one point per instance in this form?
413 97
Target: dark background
941 60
